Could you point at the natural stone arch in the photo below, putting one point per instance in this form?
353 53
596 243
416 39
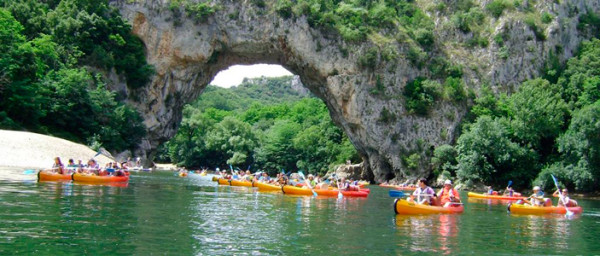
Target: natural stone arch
187 54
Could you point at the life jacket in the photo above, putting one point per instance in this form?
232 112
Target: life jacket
445 195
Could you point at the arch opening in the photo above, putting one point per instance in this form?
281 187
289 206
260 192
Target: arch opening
258 117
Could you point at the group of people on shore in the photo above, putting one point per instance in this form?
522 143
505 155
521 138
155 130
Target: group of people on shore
92 167
294 179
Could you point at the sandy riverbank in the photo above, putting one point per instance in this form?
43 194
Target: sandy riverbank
36 151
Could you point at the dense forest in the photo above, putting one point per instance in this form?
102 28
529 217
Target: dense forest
50 56
261 124
549 126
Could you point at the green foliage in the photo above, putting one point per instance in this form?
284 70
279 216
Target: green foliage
468 21
496 7
284 8
538 113
487 154
580 145
283 130
589 22
412 161
454 89
420 94
554 125
579 79
547 17
369 59
200 11
44 88
538 30
444 160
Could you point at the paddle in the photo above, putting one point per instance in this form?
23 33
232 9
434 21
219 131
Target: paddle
307 183
569 213
29 171
340 195
396 193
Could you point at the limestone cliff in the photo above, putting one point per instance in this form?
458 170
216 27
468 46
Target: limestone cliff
365 100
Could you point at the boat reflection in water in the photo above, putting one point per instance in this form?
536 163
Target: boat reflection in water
429 233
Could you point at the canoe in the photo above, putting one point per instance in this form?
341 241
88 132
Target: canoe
398 187
292 190
89 178
241 183
52 176
499 197
267 187
528 209
224 181
402 206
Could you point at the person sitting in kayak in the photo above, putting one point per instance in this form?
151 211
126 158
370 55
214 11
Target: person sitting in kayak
58 166
448 194
424 194
537 198
264 178
509 191
490 190
564 198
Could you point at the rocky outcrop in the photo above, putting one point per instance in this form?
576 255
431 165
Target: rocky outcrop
366 102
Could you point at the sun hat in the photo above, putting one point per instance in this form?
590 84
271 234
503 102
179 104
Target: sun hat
447 182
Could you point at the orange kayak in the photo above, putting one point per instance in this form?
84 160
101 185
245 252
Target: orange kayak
241 183
267 187
45 175
324 192
223 181
528 209
499 197
402 206
88 178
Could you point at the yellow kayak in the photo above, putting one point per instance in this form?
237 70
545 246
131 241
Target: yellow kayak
499 197
528 209
267 187
241 183
402 206
223 182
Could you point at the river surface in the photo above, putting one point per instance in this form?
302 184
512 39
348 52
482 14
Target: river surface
162 214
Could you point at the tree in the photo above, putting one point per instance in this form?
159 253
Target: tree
235 138
538 114
276 149
487 154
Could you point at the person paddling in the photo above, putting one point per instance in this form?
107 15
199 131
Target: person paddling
448 194
537 198
564 198
424 194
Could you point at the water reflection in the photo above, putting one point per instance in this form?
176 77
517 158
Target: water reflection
543 231
428 233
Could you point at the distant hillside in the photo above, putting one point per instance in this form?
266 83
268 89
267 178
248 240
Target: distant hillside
263 90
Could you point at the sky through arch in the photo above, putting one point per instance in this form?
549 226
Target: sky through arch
234 75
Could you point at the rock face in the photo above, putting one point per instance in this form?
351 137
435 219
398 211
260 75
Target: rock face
188 53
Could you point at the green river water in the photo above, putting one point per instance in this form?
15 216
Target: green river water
162 214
